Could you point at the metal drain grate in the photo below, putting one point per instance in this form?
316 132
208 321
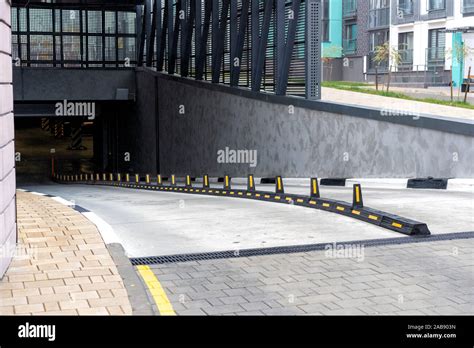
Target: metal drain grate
228 254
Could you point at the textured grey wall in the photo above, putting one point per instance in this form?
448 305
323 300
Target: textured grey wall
52 84
308 142
138 136
7 164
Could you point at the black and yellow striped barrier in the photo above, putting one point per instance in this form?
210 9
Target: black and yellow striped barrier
356 209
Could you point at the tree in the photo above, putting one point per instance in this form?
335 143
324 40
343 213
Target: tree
459 51
390 55
329 54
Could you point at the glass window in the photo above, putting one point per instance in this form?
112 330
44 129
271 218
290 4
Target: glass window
94 22
110 22
325 21
126 22
41 47
434 5
405 7
41 20
71 21
468 6
71 48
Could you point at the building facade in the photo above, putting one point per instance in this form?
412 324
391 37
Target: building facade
8 234
435 40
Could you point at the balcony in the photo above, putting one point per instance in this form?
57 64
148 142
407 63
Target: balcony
435 56
349 8
379 17
349 46
468 7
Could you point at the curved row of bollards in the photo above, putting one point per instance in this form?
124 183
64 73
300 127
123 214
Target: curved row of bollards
356 209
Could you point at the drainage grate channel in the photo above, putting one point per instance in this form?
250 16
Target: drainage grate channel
228 254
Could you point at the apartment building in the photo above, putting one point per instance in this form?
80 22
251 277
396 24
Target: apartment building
433 38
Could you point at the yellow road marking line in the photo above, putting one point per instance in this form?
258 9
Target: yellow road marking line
373 217
312 202
326 205
340 208
396 224
156 290
356 212
299 200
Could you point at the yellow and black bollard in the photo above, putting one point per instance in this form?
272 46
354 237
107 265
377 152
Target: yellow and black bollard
357 201
279 185
188 181
205 181
227 185
250 183
314 188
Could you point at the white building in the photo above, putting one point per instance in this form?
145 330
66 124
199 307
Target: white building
429 34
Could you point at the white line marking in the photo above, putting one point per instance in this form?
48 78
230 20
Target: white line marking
38 194
106 231
64 201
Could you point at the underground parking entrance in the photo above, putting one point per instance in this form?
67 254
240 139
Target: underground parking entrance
47 144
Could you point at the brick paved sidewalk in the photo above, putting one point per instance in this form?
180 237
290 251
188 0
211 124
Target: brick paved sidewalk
67 268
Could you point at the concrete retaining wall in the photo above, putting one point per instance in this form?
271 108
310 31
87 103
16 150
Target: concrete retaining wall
197 119
7 164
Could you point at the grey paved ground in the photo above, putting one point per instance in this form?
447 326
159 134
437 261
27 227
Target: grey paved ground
426 278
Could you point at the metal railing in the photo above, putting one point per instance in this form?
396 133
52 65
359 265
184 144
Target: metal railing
349 46
349 8
379 17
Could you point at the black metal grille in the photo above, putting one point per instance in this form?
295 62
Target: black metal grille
228 254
